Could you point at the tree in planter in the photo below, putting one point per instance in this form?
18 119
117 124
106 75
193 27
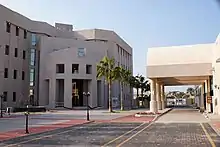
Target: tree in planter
106 68
122 76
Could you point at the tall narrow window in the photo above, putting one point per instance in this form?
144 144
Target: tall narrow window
25 34
8 27
23 75
5 93
33 53
17 31
6 73
15 74
14 97
32 74
24 54
16 52
34 39
6 49
88 69
75 68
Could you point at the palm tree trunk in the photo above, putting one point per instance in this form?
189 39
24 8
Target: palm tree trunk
142 97
131 96
122 100
110 96
137 99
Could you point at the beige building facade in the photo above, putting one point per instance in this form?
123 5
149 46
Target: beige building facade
186 65
53 65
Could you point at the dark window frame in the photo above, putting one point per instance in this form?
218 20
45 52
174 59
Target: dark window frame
7 49
15 74
5 93
23 75
8 27
16 52
14 97
24 54
6 73
25 34
17 31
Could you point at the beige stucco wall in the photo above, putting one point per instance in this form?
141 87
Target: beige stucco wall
190 60
64 39
59 50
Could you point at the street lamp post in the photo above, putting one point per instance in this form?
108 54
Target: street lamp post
1 96
26 114
87 94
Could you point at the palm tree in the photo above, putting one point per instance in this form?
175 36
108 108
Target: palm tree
137 86
106 68
122 76
131 81
143 85
190 91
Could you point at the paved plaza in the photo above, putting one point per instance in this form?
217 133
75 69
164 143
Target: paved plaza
183 127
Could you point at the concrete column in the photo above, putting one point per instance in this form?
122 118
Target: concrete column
158 96
162 97
153 102
202 97
52 93
207 91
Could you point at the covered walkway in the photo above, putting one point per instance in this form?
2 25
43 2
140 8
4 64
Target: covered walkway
180 65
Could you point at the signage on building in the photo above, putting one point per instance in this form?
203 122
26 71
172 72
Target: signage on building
81 52
209 99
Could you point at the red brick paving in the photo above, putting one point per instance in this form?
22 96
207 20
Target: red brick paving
40 129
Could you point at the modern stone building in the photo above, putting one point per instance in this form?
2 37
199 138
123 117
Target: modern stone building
52 66
186 65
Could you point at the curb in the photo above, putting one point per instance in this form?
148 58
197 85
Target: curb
158 116
39 133
207 117
217 132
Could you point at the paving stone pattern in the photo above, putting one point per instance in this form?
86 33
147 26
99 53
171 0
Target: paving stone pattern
170 135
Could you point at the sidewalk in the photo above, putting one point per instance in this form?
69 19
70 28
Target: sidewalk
40 129
214 121
134 119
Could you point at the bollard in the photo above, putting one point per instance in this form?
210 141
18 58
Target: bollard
26 122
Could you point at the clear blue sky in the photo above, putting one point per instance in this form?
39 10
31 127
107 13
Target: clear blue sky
142 23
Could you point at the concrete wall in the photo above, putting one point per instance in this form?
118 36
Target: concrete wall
66 38
180 61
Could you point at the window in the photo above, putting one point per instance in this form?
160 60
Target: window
88 69
25 34
34 39
24 54
6 73
33 52
6 49
81 52
16 52
32 74
5 93
23 75
15 74
75 68
17 31
60 68
8 27
14 97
